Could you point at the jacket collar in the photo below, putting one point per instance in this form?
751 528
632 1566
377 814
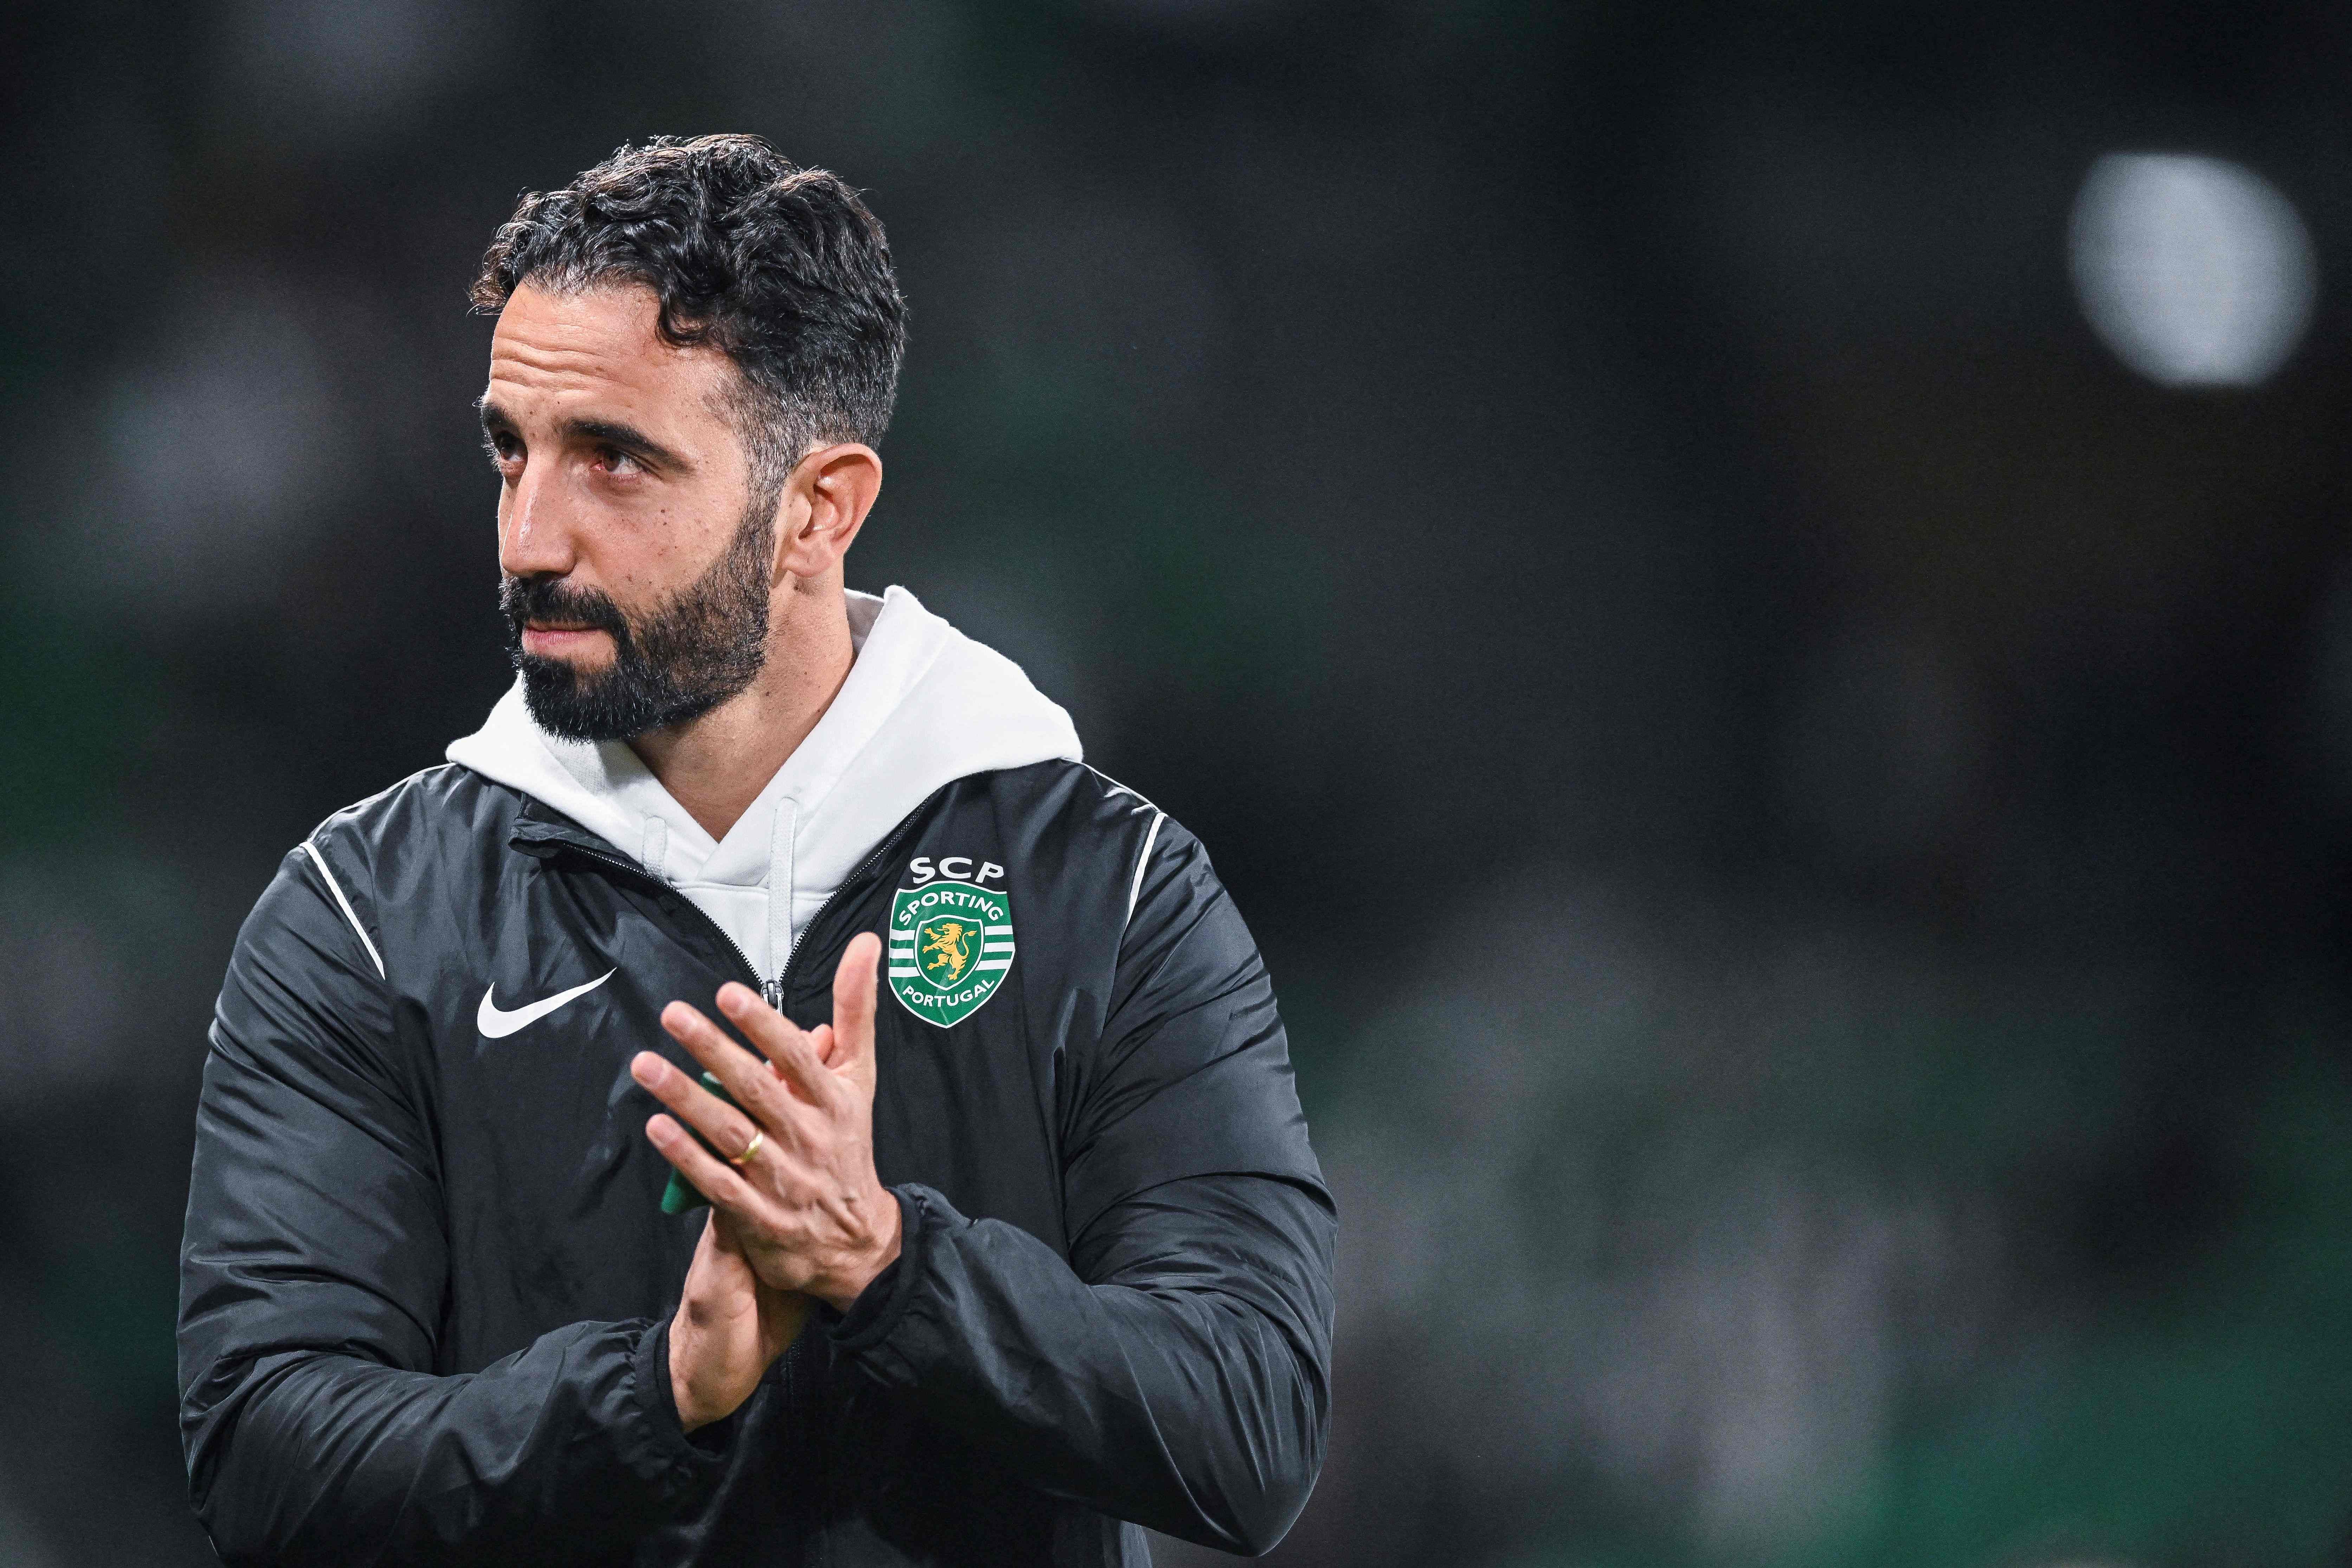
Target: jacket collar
538 829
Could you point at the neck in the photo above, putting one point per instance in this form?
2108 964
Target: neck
716 766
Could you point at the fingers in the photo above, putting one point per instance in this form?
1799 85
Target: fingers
713 1178
788 1045
812 1062
726 1127
782 1312
746 1078
727 1237
852 1007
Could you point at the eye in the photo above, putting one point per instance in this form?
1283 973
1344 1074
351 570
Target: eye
612 460
502 449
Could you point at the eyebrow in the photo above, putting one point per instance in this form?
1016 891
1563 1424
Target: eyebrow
604 432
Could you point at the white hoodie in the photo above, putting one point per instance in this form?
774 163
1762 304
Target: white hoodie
923 705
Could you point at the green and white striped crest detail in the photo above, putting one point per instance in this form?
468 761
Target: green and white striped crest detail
949 947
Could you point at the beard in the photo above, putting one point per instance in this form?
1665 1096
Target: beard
673 664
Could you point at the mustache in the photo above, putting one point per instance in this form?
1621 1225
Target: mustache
522 599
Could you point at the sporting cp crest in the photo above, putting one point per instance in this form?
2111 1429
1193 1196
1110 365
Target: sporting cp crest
950 946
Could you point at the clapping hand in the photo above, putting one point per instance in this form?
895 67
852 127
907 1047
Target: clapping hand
797 1209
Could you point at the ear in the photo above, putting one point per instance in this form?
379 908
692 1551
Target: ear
824 505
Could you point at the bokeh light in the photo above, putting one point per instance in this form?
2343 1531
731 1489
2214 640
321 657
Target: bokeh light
2195 270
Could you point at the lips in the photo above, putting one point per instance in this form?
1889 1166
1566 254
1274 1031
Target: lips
553 640
547 617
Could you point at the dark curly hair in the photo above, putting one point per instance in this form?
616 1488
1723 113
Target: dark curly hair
781 267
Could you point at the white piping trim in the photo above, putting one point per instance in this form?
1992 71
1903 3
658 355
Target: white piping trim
344 904
1118 788
1143 860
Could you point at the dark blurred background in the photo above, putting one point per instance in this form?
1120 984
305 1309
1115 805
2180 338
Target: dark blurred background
1753 599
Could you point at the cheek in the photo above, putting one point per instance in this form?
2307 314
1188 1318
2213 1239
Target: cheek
645 549
672 536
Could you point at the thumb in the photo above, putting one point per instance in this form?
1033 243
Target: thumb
852 1007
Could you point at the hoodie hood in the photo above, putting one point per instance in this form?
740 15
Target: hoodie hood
924 705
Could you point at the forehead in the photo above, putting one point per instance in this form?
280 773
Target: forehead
559 352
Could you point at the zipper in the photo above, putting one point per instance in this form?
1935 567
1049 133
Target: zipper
865 868
770 991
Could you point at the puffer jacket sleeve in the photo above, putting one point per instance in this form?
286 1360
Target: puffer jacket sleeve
312 1275
1174 1372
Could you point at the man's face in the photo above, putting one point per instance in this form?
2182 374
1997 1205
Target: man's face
636 560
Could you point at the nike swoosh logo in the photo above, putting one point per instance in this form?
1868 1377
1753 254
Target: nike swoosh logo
496 1023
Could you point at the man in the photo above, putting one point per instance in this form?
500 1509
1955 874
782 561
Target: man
1016 1235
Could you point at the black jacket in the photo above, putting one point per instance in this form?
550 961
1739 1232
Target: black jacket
426 1281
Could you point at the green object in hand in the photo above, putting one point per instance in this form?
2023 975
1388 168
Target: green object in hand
682 1194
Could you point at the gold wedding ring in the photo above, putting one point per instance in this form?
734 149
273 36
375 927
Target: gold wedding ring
749 1149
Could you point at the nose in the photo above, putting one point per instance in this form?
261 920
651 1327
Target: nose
535 534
